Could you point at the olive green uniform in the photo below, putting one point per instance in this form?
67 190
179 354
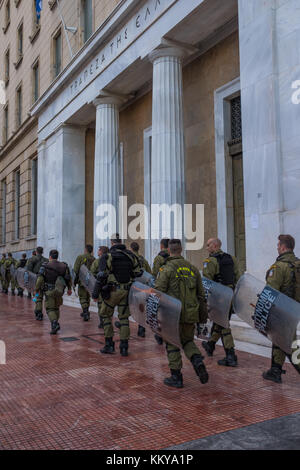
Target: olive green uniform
34 265
118 297
280 276
144 263
54 289
95 268
211 270
9 279
2 261
84 296
159 261
167 282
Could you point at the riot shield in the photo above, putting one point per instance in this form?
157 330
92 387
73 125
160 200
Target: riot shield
219 300
147 279
87 279
159 311
26 279
272 313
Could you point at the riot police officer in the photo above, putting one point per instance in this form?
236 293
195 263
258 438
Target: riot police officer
221 267
86 259
21 264
34 265
180 279
283 277
2 273
102 250
118 269
9 279
54 276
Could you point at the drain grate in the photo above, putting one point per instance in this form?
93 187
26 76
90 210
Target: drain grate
69 340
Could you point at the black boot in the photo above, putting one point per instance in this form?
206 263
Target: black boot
38 315
274 374
13 292
141 331
158 339
20 292
124 347
209 347
86 314
54 327
230 360
101 323
109 347
29 296
175 380
199 367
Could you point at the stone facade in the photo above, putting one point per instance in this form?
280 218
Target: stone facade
17 153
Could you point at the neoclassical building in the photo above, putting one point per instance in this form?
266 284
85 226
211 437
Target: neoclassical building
177 102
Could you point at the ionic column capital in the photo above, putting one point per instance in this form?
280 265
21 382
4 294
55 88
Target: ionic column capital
169 48
107 98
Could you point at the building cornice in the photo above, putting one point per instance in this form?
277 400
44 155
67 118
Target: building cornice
107 28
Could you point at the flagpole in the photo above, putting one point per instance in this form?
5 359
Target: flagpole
65 29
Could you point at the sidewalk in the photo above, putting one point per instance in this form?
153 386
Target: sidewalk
58 394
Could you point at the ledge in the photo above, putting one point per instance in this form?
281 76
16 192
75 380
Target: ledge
17 3
52 4
6 27
14 242
30 238
20 58
35 34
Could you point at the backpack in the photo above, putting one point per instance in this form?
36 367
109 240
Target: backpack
295 290
122 264
226 269
187 291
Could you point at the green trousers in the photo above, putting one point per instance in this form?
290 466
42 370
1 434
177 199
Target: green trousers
225 334
279 356
52 304
118 298
186 332
39 303
84 297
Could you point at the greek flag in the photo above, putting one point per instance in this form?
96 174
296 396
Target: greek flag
38 7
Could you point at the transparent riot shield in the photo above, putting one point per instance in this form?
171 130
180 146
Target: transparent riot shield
219 301
147 279
26 279
272 313
160 312
87 279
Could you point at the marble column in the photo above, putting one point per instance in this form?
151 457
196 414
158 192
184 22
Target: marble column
61 193
106 173
270 65
168 152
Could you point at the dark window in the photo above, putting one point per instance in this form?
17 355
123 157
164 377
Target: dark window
19 107
20 40
87 6
236 118
3 212
36 81
17 204
57 54
34 185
